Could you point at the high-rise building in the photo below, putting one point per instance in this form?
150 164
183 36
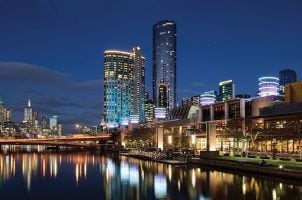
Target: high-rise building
44 122
124 86
162 95
164 62
226 90
28 113
139 83
149 111
53 122
4 113
286 76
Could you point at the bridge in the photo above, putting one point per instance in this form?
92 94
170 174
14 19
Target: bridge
78 141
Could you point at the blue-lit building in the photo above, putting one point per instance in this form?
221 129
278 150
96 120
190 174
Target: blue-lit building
286 76
164 62
124 86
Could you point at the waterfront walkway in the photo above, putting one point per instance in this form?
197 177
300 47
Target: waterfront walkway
154 156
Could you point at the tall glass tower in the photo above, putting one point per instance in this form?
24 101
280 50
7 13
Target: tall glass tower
124 86
286 76
164 62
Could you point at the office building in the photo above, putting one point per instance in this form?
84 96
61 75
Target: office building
53 122
5 114
164 62
28 113
286 76
226 90
124 86
162 95
149 111
139 83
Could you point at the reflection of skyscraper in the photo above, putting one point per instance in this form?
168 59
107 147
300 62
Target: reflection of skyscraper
226 90
124 85
164 61
286 76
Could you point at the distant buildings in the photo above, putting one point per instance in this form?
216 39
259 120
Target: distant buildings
286 76
124 86
149 111
28 113
5 113
164 63
226 90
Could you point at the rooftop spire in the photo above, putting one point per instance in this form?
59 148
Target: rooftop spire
29 104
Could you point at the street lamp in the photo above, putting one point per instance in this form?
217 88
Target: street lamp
78 126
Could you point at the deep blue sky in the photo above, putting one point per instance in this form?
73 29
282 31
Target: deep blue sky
52 50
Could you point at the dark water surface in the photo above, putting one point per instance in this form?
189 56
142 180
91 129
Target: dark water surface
92 175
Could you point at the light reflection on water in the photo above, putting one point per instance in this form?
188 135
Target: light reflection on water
111 177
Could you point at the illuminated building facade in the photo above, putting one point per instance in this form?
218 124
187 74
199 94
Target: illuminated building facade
226 90
139 83
149 111
164 62
5 114
268 86
162 95
124 86
207 98
28 113
286 76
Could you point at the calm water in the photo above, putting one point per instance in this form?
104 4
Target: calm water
88 175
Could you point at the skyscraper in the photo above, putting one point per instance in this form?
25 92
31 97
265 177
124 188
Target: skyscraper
164 62
139 83
28 113
226 90
124 86
286 76
162 95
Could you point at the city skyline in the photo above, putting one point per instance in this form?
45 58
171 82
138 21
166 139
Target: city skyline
48 58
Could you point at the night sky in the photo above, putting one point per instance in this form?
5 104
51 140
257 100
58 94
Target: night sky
52 50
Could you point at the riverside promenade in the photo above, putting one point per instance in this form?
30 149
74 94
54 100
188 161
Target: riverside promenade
154 156
268 167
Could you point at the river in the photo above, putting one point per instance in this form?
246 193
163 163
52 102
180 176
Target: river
40 174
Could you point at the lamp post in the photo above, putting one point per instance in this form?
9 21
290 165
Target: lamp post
78 126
